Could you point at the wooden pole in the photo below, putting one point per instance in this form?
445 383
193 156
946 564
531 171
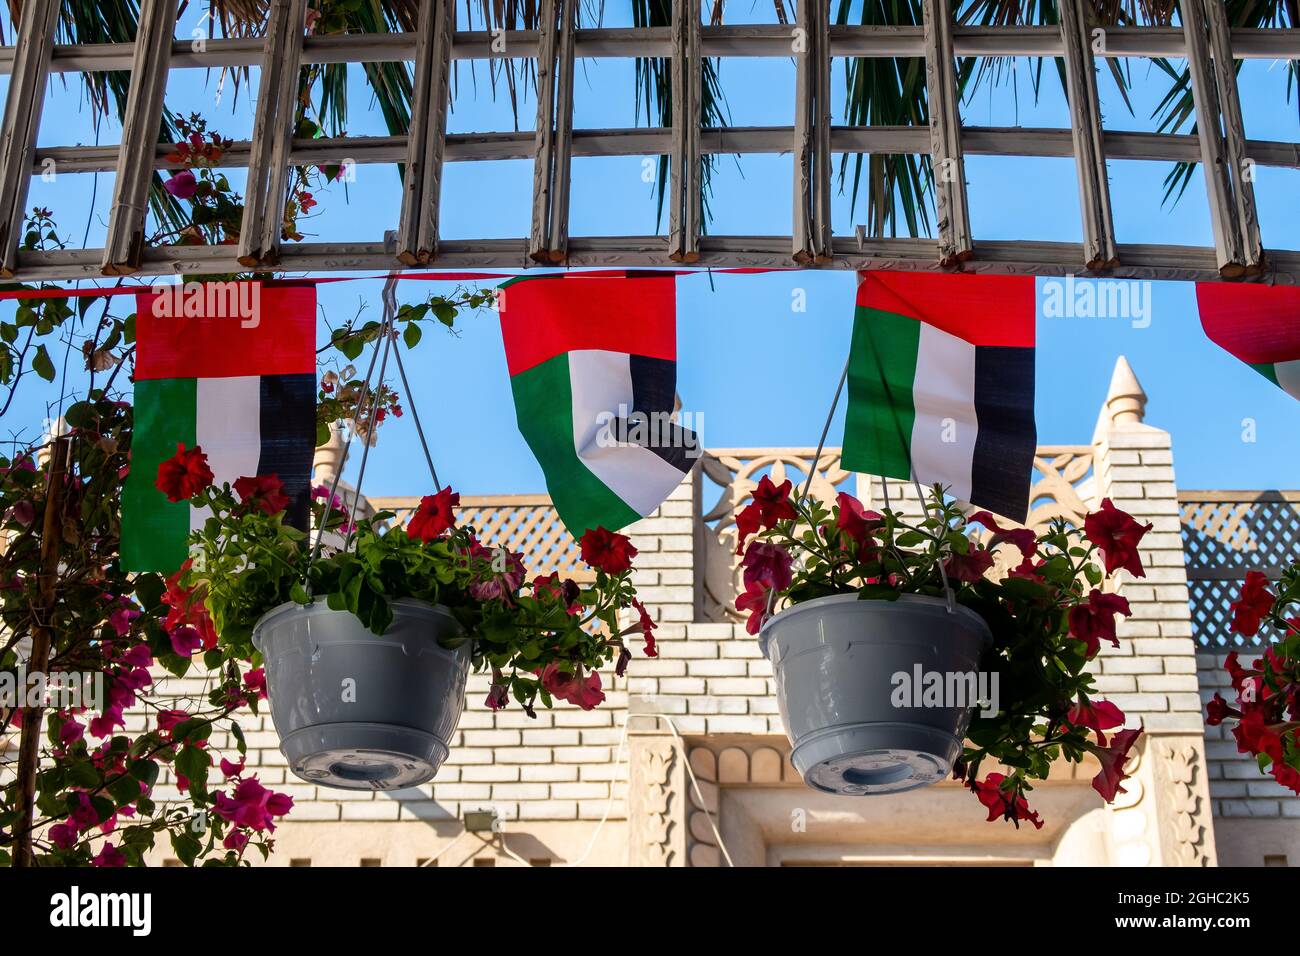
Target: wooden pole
38 662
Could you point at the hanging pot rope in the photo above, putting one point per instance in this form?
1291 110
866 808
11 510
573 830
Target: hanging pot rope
367 405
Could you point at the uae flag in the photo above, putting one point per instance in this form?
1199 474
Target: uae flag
239 382
593 369
941 384
1259 324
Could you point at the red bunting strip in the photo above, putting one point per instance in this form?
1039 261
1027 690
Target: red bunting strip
98 293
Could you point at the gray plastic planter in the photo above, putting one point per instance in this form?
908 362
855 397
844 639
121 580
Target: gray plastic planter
835 658
358 710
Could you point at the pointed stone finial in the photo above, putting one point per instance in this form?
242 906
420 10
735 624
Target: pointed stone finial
328 458
1126 403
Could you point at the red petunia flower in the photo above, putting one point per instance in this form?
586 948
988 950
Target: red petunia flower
1116 534
607 551
1004 804
1022 538
263 492
857 523
648 625
1095 621
185 474
1113 758
771 503
969 567
1253 606
768 565
436 514
1218 709
585 692
1097 716
753 600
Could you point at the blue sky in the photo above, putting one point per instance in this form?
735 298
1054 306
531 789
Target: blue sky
759 372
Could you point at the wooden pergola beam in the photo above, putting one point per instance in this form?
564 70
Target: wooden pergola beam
1088 138
811 240
1240 167
1214 159
640 141
948 165
417 231
684 176
561 165
544 131
22 120
1137 261
762 40
273 129
141 124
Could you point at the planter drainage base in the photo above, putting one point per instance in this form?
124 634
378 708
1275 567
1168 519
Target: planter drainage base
364 756
875 758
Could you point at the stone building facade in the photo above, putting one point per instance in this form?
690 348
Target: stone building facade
686 763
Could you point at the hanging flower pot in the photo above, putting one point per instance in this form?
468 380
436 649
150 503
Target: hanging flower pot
358 710
901 652
845 672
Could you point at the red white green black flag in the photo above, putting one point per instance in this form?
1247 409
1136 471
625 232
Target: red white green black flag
593 369
941 384
1259 324
230 368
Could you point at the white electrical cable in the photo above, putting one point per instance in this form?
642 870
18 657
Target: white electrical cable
618 759
434 859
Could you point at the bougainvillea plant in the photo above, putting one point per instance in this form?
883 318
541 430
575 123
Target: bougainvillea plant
1265 716
1048 615
540 639
92 773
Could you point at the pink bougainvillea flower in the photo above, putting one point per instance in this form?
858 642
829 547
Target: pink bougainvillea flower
497 698
607 551
1004 804
1095 621
255 682
22 512
120 620
585 692
168 719
1113 758
252 805
969 567
186 640
71 732
1116 535
236 840
185 474
229 769
109 856
137 655
1097 716
102 726
84 816
435 515
767 565
264 493
182 185
1253 605
64 835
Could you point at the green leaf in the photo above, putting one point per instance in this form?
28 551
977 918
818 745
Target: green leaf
411 335
42 365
